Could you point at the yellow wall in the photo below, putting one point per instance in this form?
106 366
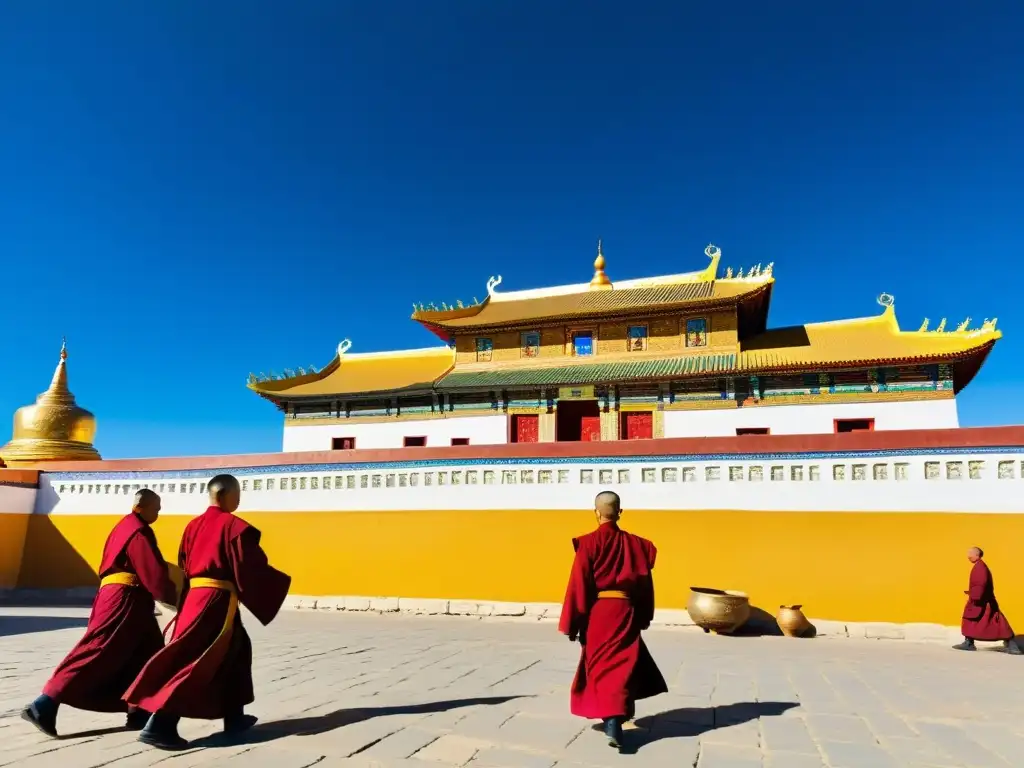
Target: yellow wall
13 528
844 566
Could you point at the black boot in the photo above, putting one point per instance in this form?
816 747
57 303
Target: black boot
1012 648
136 720
238 722
966 645
42 713
162 732
613 730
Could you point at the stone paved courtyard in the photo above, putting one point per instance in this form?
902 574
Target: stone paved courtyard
341 691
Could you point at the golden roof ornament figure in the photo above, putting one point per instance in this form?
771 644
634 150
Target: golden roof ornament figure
55 428
600 279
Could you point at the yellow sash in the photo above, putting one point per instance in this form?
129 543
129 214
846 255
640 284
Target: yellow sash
124 579
224 637
612 594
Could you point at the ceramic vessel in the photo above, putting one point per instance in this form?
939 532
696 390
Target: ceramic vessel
718 610
792 621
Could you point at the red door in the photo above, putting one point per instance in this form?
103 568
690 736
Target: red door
637 425
525 428
590 429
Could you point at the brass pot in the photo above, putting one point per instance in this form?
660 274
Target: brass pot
718 610
792 621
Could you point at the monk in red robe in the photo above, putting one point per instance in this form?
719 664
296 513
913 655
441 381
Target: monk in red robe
981 618
205 671
122 634
610 599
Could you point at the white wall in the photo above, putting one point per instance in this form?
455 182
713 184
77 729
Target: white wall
812 419
481 430
960 480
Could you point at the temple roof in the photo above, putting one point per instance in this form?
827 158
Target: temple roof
859 343
351 374
600 297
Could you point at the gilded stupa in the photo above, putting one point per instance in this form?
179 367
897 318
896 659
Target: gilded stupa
54 428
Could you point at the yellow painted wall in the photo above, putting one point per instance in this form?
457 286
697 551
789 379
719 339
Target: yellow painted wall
13 529
845 566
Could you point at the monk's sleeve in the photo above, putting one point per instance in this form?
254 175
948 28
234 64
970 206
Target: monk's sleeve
150 567
261 587
979 580
644 600
578 595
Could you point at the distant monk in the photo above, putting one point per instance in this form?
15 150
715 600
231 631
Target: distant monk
610 599
122 634
205 672
982 619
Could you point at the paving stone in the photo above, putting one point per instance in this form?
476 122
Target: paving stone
721 756
361 689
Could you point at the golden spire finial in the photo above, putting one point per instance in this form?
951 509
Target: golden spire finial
600 279
63 347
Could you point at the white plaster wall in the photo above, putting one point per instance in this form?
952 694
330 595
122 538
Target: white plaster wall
481 430
812 419
958 480
17 500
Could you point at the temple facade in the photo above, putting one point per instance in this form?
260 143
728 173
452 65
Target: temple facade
685 355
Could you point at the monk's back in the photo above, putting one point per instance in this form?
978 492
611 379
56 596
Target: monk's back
206 542
618 559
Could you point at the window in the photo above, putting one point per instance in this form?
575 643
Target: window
415 442
696 332
343 443
460 441
583 343
484 348
753 431
854 425
637 338
530 341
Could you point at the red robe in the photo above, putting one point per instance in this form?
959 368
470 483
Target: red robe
183 679
982 619
122 634
615 667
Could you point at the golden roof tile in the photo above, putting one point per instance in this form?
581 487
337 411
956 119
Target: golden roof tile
350 374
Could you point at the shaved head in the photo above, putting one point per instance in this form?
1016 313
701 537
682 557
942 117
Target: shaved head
147 505
225 492
975 553
608 506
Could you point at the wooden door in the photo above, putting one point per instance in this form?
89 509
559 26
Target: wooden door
637 425
590 429
526 428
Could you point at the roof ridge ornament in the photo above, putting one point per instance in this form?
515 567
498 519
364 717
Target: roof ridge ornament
885 300
714 253
344 346
600 279
492 283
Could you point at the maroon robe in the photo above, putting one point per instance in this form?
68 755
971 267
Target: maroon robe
122 634
183 679
615 668
982 619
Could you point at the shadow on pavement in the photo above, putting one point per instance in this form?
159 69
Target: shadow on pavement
694 721
23 625
311 726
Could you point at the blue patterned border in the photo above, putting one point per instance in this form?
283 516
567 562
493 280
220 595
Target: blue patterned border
291 469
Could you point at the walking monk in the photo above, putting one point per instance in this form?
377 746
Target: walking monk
122 634
610 599
982 619
205 671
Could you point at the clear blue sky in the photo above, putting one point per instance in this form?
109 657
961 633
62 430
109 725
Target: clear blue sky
192 191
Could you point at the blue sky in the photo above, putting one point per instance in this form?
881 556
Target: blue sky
193 191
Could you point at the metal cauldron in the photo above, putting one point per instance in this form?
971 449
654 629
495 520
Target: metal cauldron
718 610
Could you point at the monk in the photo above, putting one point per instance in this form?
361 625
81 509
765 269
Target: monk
609 600
982 619
205 671
122 633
